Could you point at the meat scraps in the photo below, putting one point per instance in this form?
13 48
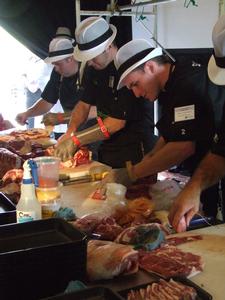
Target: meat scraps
164 290
178 240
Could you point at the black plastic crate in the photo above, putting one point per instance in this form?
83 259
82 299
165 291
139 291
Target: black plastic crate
7 210
201 294
39 258
93 293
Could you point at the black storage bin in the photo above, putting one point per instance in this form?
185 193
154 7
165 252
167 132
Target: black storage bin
93 293
39 258
7 210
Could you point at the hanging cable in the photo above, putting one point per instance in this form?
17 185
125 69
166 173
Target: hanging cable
154 39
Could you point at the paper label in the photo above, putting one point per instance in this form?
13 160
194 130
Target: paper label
184 113
25 216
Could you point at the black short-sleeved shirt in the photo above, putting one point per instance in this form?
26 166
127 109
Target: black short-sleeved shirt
219 139
100 90
188 105
63 89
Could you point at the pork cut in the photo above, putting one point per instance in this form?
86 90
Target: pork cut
106 259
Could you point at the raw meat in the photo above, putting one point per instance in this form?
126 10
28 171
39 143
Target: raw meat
169 261
104 227
8 161
146 236
177 240
105 260
164 290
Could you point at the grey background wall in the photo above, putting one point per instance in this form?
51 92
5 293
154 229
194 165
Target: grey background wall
177 26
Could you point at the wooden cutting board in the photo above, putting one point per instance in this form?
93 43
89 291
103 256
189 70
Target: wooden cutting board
212 249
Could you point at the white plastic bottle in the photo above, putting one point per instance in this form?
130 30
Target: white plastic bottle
28 207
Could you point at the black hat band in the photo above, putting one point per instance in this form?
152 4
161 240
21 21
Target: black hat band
60 52
133 60
64 34
99 40
220 61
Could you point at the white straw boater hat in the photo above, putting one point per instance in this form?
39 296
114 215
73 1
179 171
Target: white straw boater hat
64 32
93 37
216 65
61 46
132 55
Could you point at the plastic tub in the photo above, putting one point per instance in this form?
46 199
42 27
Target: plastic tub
48 171
50 199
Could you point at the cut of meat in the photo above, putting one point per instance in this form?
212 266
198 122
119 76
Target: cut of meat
104 227
170 261
181 240
163 290
137 212
108 229
29 134
8 161
106 260
146 236
82 156
14 175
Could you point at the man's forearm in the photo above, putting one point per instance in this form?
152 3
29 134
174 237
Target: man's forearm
171 154
79 116
158 145
210 171
39 108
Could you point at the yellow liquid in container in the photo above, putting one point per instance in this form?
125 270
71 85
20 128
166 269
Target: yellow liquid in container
49 199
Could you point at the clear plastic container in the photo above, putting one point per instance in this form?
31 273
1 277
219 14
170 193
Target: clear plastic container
50 199
48 171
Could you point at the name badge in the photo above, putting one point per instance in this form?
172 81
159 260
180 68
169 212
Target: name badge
184 113
111 81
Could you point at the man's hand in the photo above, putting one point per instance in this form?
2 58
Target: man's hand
22 118
185 206
62 138
65 149
52 119
115 175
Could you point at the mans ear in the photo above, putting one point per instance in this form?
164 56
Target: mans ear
150 67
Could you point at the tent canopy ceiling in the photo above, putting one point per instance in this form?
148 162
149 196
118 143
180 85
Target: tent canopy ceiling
34 22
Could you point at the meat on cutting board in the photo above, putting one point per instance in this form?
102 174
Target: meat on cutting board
169 261
179 240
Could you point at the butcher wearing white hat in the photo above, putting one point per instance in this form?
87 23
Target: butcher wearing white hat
186 124
63 84
212 167
121 118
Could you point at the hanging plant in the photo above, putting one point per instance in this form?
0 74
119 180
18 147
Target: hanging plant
188 2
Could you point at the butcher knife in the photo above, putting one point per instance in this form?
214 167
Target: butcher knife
66 179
